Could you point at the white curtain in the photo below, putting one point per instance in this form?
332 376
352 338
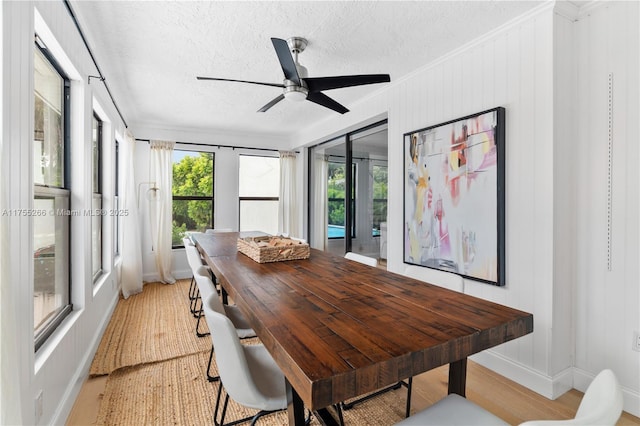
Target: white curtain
288 205
10 386
321 170
131 269
160 208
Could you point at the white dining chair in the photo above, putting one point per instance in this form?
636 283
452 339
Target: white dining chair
248 373
210 296
186 241
195 262
600 406
361 259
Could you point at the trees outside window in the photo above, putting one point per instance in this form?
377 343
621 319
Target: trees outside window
193 181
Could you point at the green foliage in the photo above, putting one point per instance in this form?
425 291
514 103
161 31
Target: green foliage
192 177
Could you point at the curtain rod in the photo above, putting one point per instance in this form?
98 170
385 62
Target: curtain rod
95 63
222 146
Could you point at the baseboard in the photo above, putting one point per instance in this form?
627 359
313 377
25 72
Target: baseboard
82 373
631 398
547 386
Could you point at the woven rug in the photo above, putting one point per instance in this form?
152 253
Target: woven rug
151 326
176 392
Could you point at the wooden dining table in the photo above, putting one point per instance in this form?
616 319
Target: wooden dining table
339 329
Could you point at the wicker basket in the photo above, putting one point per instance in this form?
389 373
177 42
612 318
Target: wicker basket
273 249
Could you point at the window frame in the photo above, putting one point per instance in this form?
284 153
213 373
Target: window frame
49 191
116 199
197 197
97 195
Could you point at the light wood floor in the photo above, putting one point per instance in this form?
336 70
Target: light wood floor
503 397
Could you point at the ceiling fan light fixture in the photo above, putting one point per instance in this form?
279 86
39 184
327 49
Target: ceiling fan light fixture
295 93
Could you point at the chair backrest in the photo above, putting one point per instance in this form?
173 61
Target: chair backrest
216 230
601 404
205 285
230 357
193 257
362 259
187 242
207 288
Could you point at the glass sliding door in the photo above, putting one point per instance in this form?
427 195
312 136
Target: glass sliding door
348 191
369 185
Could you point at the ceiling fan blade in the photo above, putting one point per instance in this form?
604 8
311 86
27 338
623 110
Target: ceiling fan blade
271 103
241 81
318 84
325 101
286 60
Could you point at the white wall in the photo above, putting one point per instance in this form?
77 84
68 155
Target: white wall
62 363
541 67
608 301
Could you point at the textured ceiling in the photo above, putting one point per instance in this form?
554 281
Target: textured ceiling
150 53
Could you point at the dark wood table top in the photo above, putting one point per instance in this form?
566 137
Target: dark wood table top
339 329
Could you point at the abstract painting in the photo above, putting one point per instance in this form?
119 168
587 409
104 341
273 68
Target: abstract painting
454 188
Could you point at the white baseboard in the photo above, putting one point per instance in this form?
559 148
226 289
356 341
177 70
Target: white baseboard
82 373
547 386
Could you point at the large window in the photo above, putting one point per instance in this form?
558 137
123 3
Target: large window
116 201
96 199
51 204
259 185
192 193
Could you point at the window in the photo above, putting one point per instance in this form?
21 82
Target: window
192 193
116 201
96 199
51 214
259 186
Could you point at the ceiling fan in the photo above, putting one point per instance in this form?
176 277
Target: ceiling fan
297 86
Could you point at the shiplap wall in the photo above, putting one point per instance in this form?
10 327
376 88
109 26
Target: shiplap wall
60 366
608 301
541 68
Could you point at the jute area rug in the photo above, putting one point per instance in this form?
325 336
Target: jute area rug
151 326
176 392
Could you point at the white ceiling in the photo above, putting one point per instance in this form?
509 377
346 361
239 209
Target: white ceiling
150 53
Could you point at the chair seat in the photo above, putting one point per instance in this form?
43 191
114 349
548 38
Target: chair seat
453 410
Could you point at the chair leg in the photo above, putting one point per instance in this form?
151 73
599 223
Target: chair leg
408 384
194 304
350 405
209 376
192 288
215 411
198 333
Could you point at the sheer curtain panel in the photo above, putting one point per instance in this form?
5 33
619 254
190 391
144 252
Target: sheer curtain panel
131 268
288 205
319 236
161 208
